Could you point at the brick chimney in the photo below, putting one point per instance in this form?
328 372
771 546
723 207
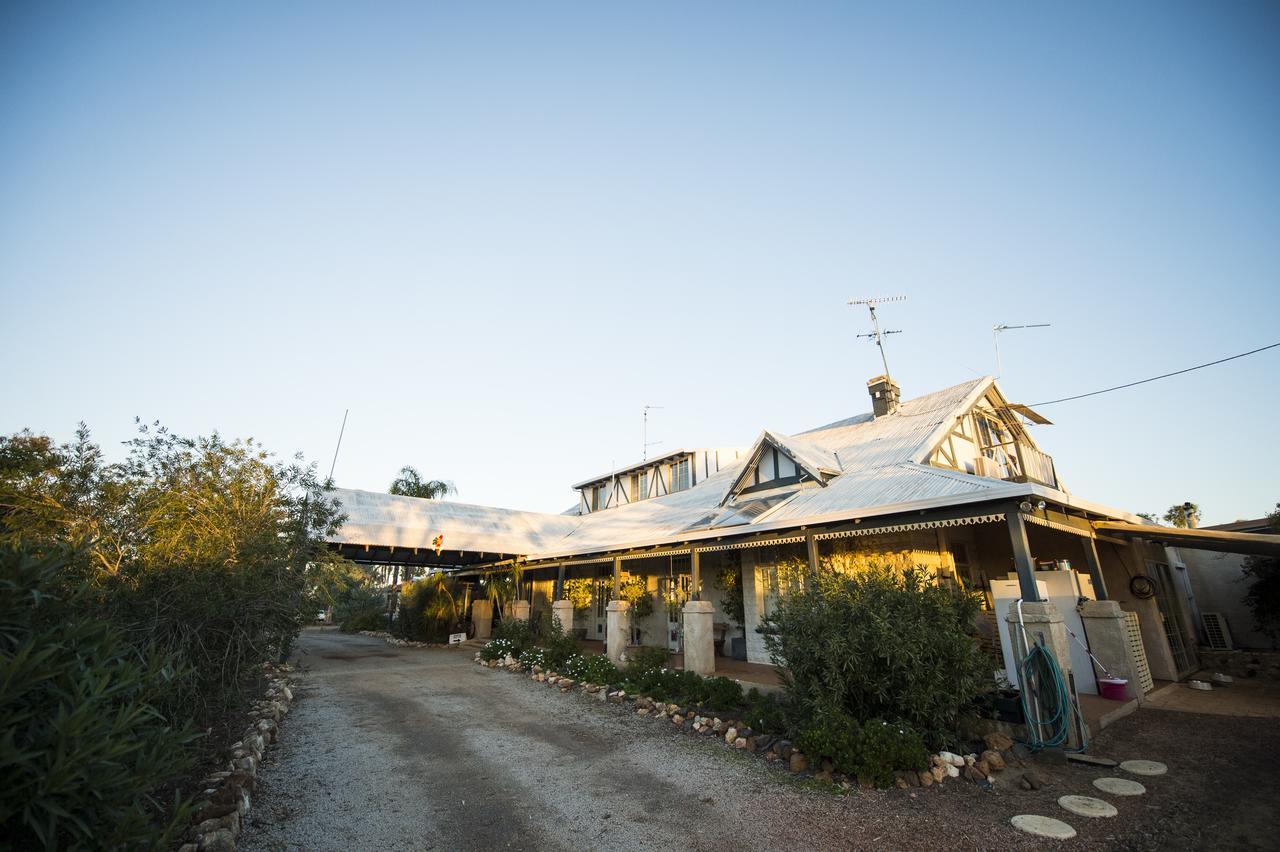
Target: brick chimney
884 395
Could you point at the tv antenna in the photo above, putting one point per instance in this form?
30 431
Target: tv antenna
995 337
335 449
647 443
876 334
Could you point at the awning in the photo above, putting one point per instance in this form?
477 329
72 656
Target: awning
1223 542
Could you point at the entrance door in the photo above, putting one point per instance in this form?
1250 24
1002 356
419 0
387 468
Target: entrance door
603 588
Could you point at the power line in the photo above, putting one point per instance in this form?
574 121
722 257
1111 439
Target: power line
1157 378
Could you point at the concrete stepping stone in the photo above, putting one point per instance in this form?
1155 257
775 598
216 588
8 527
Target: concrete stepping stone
1088 806
1043 826
1119 786
1144 767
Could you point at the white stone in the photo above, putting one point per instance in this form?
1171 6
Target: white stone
1144 767
1042 826
953 771
1088 806
953 759
1119 786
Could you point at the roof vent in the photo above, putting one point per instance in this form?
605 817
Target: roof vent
884 395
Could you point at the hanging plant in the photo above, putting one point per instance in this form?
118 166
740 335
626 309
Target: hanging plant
636 591
580 593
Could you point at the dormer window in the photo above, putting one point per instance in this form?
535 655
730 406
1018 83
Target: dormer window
680 475
600 497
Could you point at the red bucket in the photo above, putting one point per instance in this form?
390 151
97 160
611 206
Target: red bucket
1115 688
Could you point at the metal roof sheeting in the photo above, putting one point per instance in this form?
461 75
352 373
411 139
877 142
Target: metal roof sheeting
880 460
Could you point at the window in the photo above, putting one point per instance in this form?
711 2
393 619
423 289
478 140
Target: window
680 475
599 497
639 485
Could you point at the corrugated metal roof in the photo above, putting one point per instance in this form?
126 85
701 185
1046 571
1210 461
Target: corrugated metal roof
388 519
880 460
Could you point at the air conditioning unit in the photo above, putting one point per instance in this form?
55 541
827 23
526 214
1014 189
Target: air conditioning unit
984 466
1215 631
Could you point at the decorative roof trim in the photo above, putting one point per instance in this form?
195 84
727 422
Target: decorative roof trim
918 525
654 554
742 545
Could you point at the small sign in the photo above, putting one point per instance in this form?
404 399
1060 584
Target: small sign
457 638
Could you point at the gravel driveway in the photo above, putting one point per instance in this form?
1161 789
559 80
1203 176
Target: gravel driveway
394 748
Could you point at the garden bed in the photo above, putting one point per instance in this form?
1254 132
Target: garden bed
747 729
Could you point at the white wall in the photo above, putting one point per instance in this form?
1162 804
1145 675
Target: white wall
1219 586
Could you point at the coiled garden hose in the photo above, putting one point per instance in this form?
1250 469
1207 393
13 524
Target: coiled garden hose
1043 686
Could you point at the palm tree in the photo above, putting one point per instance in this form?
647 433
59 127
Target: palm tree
411 484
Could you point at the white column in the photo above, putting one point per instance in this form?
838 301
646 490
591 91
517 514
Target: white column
699 644
616 625
562 611
520 610
481 618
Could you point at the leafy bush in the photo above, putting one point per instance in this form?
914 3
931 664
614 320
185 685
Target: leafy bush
82 742
520 634
558 647
496 649
722 693
579 592
764 713
871 752
878 645
358 601
1263 594
591 668
645 659
374 618
430 609
533 657
202 548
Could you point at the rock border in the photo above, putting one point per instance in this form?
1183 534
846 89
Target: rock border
736 734
228 793
401 643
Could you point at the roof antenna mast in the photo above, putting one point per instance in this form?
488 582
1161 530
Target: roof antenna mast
647 442
335 449
995 336
876 334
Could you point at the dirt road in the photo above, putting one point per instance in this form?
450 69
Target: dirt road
393 748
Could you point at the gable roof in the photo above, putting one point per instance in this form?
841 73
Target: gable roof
869 465
812 459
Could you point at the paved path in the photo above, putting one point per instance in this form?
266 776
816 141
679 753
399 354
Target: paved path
392 748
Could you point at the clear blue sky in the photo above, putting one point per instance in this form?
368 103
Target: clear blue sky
496 231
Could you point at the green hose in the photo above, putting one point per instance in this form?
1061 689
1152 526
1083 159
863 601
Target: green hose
1042 678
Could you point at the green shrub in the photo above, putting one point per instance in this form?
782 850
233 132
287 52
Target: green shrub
722 693
878 645
645 659
356 602
82 742
871 752
521 634
558 647
370 618
430 609
765 713
204 549
533 657
591 668
496 649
